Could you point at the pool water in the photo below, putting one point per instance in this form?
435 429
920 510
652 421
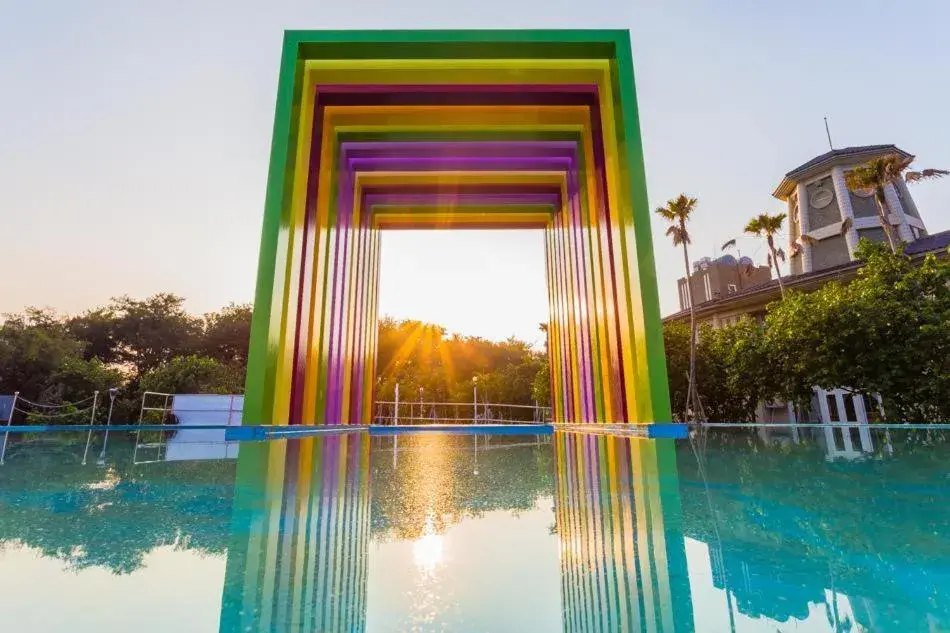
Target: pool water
729 531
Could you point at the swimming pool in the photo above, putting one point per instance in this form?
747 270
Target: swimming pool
471 533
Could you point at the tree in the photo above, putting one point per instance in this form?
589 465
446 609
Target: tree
676 343
39 359
877 174
33 346
886 333
227 334
96 328
193 374
152 331
678 212
765 225
541 389
731 365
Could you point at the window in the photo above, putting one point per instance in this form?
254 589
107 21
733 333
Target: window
708 287
832 408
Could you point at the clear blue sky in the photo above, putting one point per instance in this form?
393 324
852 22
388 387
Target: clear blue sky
133 149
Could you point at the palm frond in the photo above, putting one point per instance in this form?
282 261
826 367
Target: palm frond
877 173
765 224
926 174
679 235
846 225
678 211
780 255
730 244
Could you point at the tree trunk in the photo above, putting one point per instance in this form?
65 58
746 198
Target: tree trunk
691 399
884 214
778 272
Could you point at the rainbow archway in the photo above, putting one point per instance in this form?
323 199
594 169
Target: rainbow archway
384 130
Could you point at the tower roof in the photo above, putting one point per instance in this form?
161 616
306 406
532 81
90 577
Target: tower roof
843 156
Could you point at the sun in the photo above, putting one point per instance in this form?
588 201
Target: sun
428 551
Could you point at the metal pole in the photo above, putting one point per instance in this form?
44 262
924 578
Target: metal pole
92 420
475 403
138 432
396 407
3 451
105 439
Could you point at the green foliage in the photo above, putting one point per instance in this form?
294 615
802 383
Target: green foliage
886 333
541 387
415 354
227 334
734 371
765 225
39 359
678 212
141 334
676 341
193 374
731 369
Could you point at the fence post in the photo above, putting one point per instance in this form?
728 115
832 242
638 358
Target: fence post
92 422
105 439
3 451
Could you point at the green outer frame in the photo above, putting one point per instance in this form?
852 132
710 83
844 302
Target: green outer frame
298 46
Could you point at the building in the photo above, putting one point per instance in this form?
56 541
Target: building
825 222
717 278
821 251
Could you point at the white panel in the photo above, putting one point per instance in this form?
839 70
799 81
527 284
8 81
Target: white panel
203 409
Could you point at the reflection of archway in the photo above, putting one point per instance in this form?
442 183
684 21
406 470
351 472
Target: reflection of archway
300 530
623 561
388 130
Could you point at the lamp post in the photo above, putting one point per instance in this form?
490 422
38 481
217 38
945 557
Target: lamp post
396 407
475 399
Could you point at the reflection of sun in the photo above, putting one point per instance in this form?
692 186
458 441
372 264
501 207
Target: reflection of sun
428 550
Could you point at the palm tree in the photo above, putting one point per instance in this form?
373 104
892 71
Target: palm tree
765 225
677 212
880 172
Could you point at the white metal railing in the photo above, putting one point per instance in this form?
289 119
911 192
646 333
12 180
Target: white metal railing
195 426
156 409
395 412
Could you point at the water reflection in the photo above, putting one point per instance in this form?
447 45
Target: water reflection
300 530
794 539
575 533
623 561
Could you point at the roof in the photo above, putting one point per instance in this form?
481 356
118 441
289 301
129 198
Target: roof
766 291
845 155
935 242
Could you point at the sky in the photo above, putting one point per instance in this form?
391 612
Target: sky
134 137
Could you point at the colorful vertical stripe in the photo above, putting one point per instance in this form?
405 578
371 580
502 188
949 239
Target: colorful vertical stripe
301 521
390 130
619 522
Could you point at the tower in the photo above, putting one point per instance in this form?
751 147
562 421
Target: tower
819 203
